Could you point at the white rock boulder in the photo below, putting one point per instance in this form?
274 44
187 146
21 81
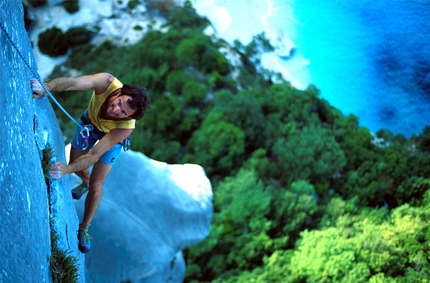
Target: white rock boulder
150 211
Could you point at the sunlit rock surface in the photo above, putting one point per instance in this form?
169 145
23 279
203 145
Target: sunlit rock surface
149 212
27 127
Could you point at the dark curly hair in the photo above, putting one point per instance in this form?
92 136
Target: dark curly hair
140 101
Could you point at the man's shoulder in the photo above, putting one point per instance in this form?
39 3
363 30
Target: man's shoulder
102 81
110 78
106 79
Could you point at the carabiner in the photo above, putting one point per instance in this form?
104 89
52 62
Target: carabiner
85 133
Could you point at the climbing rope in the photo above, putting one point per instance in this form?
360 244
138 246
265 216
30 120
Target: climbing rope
36 75
84 130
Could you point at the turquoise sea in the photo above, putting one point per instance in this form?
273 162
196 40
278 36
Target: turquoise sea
368 58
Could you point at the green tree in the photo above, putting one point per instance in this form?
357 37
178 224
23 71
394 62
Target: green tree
191 50
212 60
253 51
219 147
156 49
184 18
37 3
366 182
53 42
218 82
287 111
292 211
268 171
194 93
412 190
243 111
312 154
71 6
424 140
367 247
240 227
355 141
175 82
164 117
78 35
420 165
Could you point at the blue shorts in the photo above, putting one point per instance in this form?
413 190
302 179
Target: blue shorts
109 157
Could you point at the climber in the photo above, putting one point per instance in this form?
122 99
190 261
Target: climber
109 119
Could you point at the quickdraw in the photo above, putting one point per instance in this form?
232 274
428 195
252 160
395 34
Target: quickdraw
126 143
85 133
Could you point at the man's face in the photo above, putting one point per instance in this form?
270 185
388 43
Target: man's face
118 108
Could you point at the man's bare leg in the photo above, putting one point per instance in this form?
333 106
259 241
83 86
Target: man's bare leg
84 174
97 179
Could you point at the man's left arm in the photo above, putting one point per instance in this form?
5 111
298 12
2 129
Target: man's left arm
59 169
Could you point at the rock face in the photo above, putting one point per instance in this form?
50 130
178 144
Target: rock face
150 211
29 209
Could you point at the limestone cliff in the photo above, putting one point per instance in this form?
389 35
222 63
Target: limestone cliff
27 127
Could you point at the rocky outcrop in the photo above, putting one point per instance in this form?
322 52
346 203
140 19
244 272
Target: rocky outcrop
29 209
149 213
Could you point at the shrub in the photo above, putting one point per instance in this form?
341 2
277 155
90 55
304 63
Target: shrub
162 6
190 50
64 267
78 35
37 3
176 81
194 92
79 57
47 155
219 82
186 18
71 6
53 42
213 60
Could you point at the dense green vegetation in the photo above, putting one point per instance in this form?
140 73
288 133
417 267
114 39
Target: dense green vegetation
54 42
302 193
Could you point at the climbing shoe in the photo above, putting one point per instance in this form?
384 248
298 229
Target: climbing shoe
84 240
79 191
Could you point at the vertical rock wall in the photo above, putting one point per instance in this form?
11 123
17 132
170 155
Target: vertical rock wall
27 127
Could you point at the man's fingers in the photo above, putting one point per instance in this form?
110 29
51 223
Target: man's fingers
36 88
55 172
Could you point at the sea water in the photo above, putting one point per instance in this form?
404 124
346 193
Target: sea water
369 58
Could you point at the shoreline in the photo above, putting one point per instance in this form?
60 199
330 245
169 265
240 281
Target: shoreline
294 68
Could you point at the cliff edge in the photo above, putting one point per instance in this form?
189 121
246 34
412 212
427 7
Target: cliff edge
30 208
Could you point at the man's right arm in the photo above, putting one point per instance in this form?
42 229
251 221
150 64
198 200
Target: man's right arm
99 82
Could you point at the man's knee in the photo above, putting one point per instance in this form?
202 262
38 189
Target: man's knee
96 185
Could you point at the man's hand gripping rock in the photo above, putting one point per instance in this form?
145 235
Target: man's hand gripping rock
36 88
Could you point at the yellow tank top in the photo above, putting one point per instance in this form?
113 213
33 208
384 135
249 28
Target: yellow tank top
96 103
